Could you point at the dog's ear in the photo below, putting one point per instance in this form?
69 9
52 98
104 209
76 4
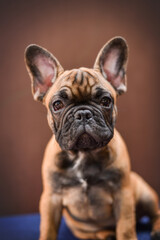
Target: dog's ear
43 69
112 62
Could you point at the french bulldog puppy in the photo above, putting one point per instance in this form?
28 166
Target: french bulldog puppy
86 169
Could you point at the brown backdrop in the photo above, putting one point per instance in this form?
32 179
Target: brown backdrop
74 31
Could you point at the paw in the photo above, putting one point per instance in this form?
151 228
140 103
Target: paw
155 235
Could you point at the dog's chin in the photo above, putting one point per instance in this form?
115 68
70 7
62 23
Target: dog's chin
86 142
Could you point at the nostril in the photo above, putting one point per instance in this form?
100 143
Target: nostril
88 115
78 116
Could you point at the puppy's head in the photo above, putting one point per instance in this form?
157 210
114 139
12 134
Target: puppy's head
81 103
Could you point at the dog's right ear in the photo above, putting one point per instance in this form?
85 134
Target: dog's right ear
43 69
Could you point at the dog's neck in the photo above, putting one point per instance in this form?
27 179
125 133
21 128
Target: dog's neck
103 155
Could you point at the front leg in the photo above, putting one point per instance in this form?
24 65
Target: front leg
125 215
50 211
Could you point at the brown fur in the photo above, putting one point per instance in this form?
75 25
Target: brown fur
95 211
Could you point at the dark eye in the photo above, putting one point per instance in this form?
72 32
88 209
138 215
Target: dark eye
57 105
106 102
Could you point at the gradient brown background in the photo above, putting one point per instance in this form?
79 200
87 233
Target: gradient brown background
74 31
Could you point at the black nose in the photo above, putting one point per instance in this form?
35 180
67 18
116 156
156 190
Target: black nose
83 115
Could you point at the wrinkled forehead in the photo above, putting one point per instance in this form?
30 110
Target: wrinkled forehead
81 83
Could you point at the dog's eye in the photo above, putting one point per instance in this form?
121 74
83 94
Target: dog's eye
106 102
57 105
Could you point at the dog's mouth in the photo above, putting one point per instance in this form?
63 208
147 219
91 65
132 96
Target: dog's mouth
89 141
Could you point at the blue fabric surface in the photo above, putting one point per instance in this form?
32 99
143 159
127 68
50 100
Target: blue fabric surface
26 227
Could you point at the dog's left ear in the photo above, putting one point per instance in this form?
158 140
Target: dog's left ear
43 69
112 62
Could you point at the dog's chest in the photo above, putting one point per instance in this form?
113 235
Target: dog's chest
86 173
